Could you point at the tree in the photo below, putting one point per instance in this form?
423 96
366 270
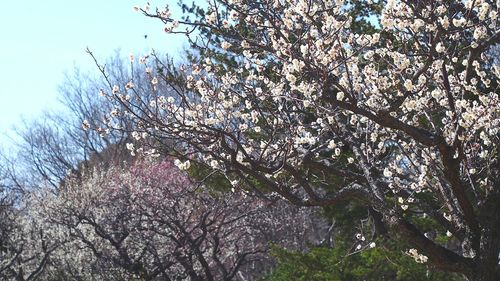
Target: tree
55 145
298 98
26 244
378 263
148 221
69 208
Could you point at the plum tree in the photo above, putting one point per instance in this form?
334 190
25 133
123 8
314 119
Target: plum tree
395 107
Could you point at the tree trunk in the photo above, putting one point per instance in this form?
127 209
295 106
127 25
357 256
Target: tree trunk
488 268
486 272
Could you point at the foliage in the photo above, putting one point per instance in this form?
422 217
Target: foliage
147 221
383 113
395 100
378 263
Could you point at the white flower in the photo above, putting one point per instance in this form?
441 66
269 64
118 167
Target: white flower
182 165
332 144
234 15
211 18
408 85
226 45
458 22
129 85
445 22
387 173
304 50
419 258
85 125
447 216
214 164
440 48
244 44
479 32
136 135
290 77
130 146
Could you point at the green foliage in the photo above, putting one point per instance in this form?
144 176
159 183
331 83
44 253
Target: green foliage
386 262
213 180
365 15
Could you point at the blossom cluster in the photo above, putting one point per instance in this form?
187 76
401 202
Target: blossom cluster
294 94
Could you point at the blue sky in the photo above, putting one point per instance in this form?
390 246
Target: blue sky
40 40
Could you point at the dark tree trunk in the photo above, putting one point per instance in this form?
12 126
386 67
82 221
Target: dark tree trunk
485 272
487 266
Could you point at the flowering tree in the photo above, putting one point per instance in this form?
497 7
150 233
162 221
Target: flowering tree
390 103
27 243
150 222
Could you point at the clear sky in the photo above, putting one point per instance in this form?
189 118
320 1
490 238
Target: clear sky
40 40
